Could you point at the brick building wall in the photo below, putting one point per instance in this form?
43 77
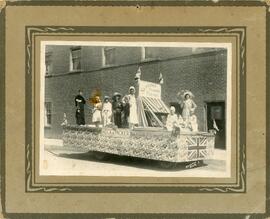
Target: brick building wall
203 73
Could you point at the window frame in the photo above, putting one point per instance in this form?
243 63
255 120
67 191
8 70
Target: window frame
46 114
72 58
48 62
104 58
144 54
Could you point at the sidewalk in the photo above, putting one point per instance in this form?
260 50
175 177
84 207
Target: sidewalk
220 154
53 142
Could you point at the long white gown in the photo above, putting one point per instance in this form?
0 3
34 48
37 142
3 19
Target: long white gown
133 115
172 121
97 113
107 113
188 107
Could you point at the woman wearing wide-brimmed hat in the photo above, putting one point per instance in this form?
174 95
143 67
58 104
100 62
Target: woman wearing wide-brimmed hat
117 109
106 111
188 105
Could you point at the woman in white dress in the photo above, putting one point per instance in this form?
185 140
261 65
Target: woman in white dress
172 119
106 111
133 115
188 106
182 124
96 118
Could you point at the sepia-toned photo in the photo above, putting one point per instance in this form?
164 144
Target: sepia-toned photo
135 109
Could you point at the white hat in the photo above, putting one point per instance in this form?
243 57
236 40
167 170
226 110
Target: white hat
131 88
116 94
106 97
172 108
188 93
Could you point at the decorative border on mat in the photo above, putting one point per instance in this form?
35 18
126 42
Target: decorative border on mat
140 3
32 31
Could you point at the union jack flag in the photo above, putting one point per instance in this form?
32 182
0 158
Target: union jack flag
197 147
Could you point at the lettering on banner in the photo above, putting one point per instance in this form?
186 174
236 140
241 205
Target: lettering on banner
149 89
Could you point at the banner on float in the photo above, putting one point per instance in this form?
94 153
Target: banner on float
149 89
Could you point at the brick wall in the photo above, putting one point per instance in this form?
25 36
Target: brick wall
60 57
92 56
204 74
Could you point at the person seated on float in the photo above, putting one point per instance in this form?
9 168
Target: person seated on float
172 119
193 122
181 123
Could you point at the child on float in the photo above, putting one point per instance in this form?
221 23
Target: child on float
96 117
193 122
106 111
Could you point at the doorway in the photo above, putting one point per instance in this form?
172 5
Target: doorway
216 120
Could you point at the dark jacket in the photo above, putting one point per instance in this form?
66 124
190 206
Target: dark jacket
79 102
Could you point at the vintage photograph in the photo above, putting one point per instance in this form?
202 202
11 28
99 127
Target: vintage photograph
135 109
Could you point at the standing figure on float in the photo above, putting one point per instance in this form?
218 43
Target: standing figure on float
188 106
133 115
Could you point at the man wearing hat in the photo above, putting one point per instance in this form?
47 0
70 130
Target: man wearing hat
117 109
133 115
106 111
79 103
125 112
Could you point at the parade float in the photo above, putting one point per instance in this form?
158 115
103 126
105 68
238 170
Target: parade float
149 140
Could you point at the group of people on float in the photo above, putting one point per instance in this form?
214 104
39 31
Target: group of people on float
188 120
122 112
118 110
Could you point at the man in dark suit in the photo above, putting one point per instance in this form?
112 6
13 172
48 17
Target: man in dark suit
117 107
79 103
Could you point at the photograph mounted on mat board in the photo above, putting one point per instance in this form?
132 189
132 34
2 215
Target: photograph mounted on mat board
158 109
32 184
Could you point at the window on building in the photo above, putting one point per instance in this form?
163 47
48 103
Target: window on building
48 114
108 56
48 63
147 53
75 59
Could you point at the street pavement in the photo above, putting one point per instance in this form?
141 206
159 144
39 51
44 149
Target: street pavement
59 160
